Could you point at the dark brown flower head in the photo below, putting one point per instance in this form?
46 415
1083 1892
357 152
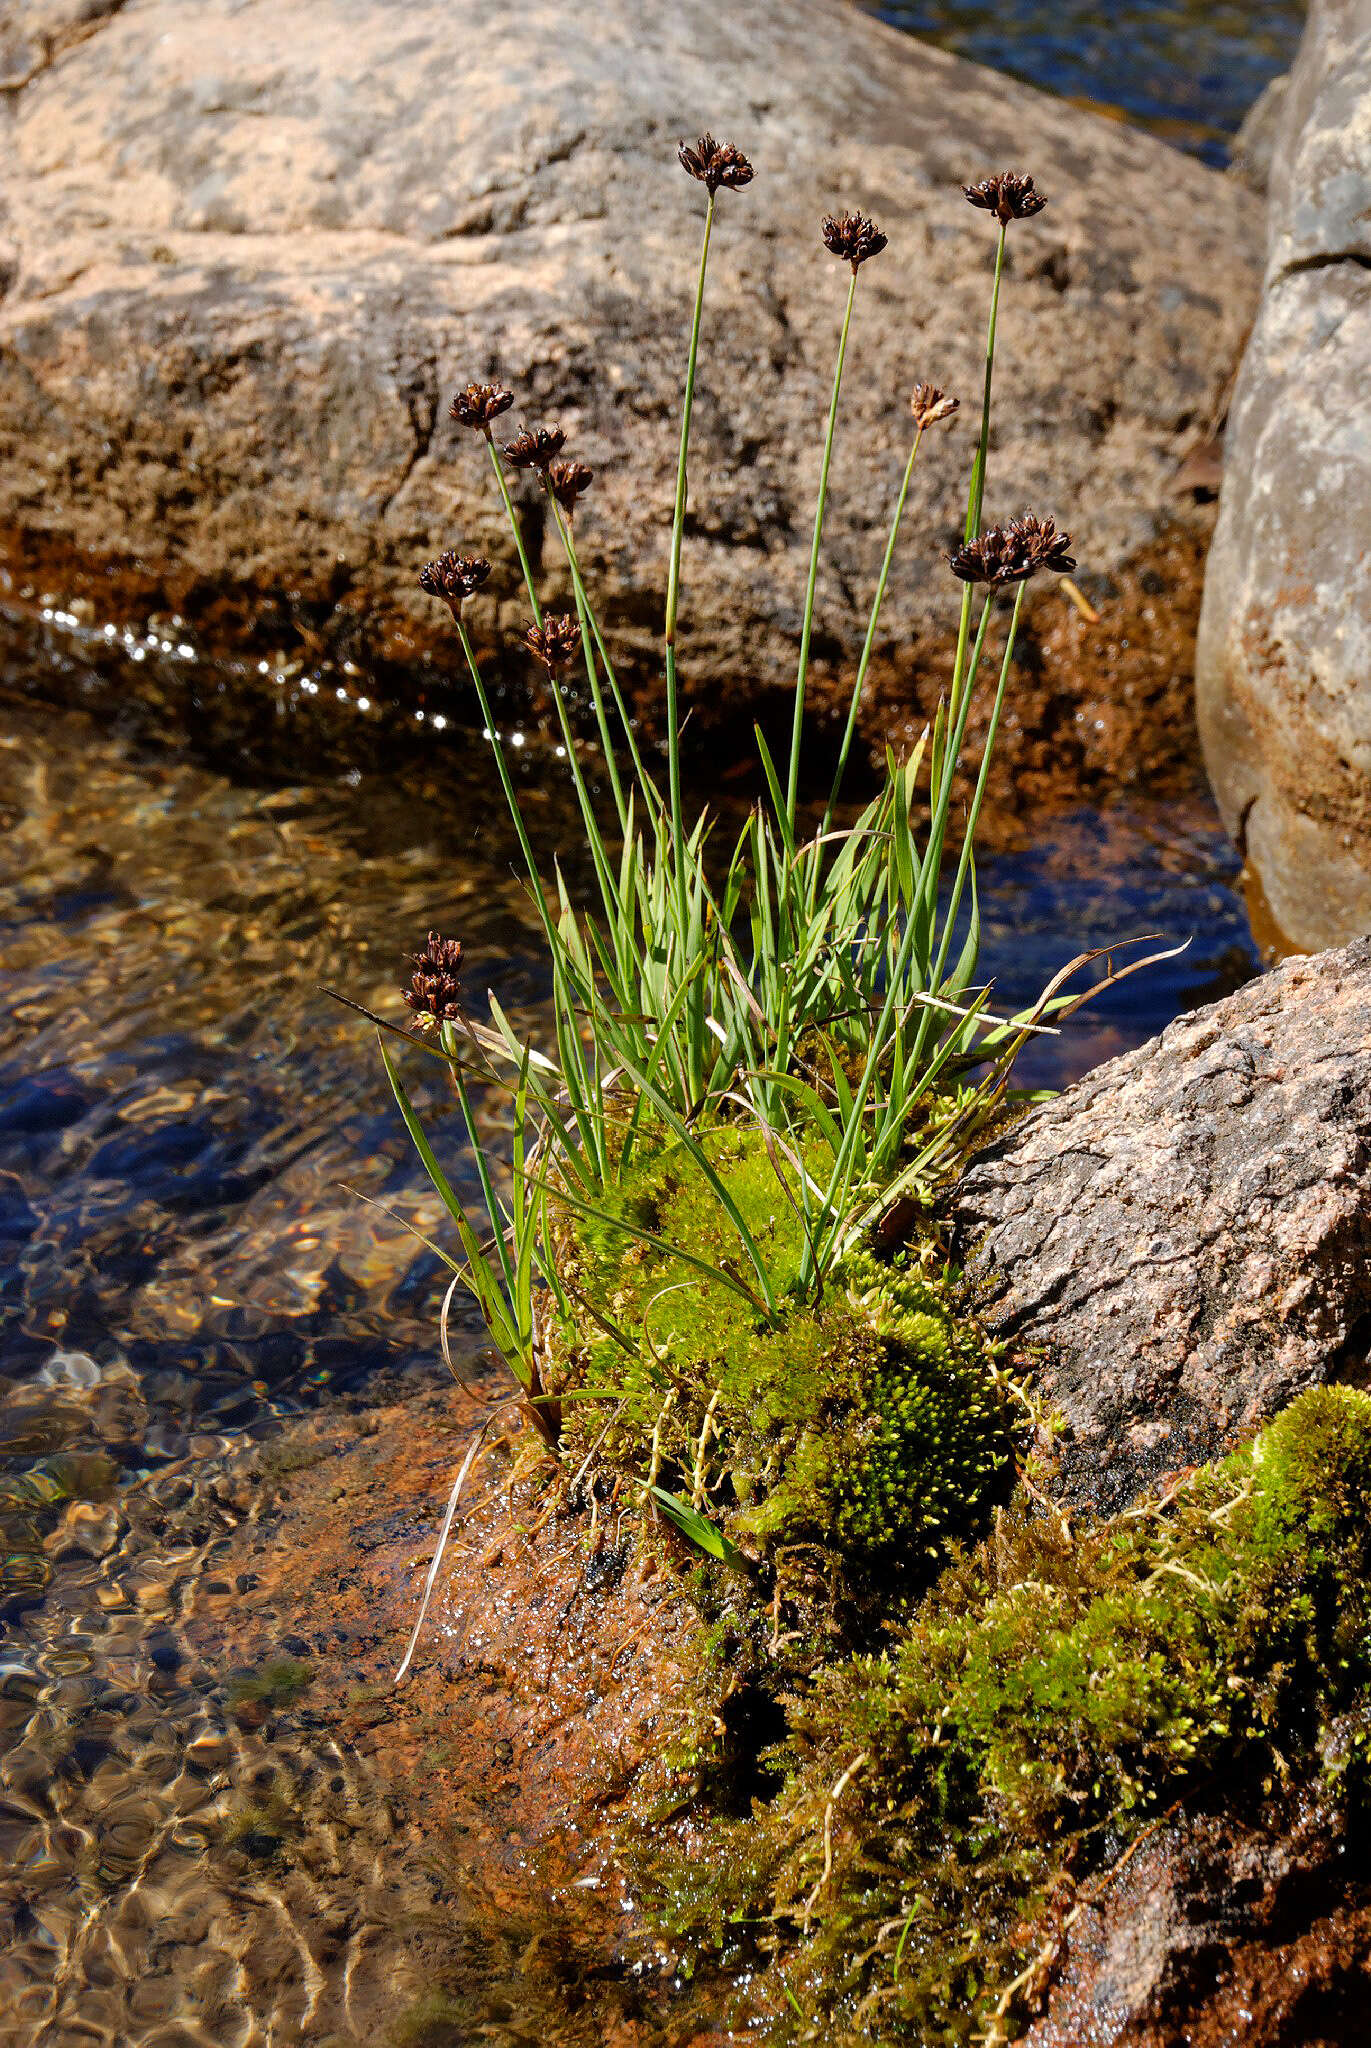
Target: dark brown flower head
476 405
434 993
853 237
1013 553
929 405
1045 545
535 447
454 578
566 481
715 164
1009 195
556 643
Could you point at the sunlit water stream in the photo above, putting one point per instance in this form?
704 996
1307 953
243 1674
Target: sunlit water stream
182 1269
1187 69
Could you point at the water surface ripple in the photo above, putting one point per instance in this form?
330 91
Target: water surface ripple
182 1270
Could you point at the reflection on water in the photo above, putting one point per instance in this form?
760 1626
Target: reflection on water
181 1268
1187 69
1165 874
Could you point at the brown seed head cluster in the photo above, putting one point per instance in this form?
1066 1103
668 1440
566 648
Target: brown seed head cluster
1013 553
556 643
1009 195
853 237
535 447
454 578
929 405
476 405
566 481
434 993
715 164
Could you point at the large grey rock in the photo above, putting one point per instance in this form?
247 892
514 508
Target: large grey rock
1188 1230
254 244
1284 661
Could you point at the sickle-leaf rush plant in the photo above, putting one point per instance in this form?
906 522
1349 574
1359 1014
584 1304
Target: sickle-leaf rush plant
757 1051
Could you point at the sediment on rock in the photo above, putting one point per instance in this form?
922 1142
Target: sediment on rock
1099 706
557 1665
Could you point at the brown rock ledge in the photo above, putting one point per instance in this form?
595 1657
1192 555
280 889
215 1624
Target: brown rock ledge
550 1677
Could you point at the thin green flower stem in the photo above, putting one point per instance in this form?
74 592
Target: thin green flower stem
608 892
516 526
493 1210
976 494
940 793
586 612
592 672
973 815
673 588
973 510
807 626
506 782
865 662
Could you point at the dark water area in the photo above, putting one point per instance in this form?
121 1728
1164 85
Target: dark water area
1187 69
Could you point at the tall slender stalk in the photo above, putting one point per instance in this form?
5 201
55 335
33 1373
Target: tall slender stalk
516 526
973 510
673 588
502 766
592 671
864 664
976 494
973 815
807 625
586 613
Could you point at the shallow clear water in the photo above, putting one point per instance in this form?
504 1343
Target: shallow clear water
182 1267
1187 69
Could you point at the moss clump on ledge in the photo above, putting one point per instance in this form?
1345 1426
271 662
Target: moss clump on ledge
1051 1696
876 1421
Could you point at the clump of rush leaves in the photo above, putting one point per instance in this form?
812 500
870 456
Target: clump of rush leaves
934 1812
792 1031
708 1255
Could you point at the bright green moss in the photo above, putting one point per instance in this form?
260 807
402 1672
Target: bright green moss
1049 1695
875 1422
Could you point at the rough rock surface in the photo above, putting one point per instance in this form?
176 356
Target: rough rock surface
1188 1230
1215 1933
250 246
1284 659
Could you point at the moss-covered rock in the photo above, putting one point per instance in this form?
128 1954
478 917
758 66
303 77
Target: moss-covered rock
877 1421
1052 1695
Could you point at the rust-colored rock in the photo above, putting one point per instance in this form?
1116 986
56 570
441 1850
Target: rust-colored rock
553 1672
1220 1934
